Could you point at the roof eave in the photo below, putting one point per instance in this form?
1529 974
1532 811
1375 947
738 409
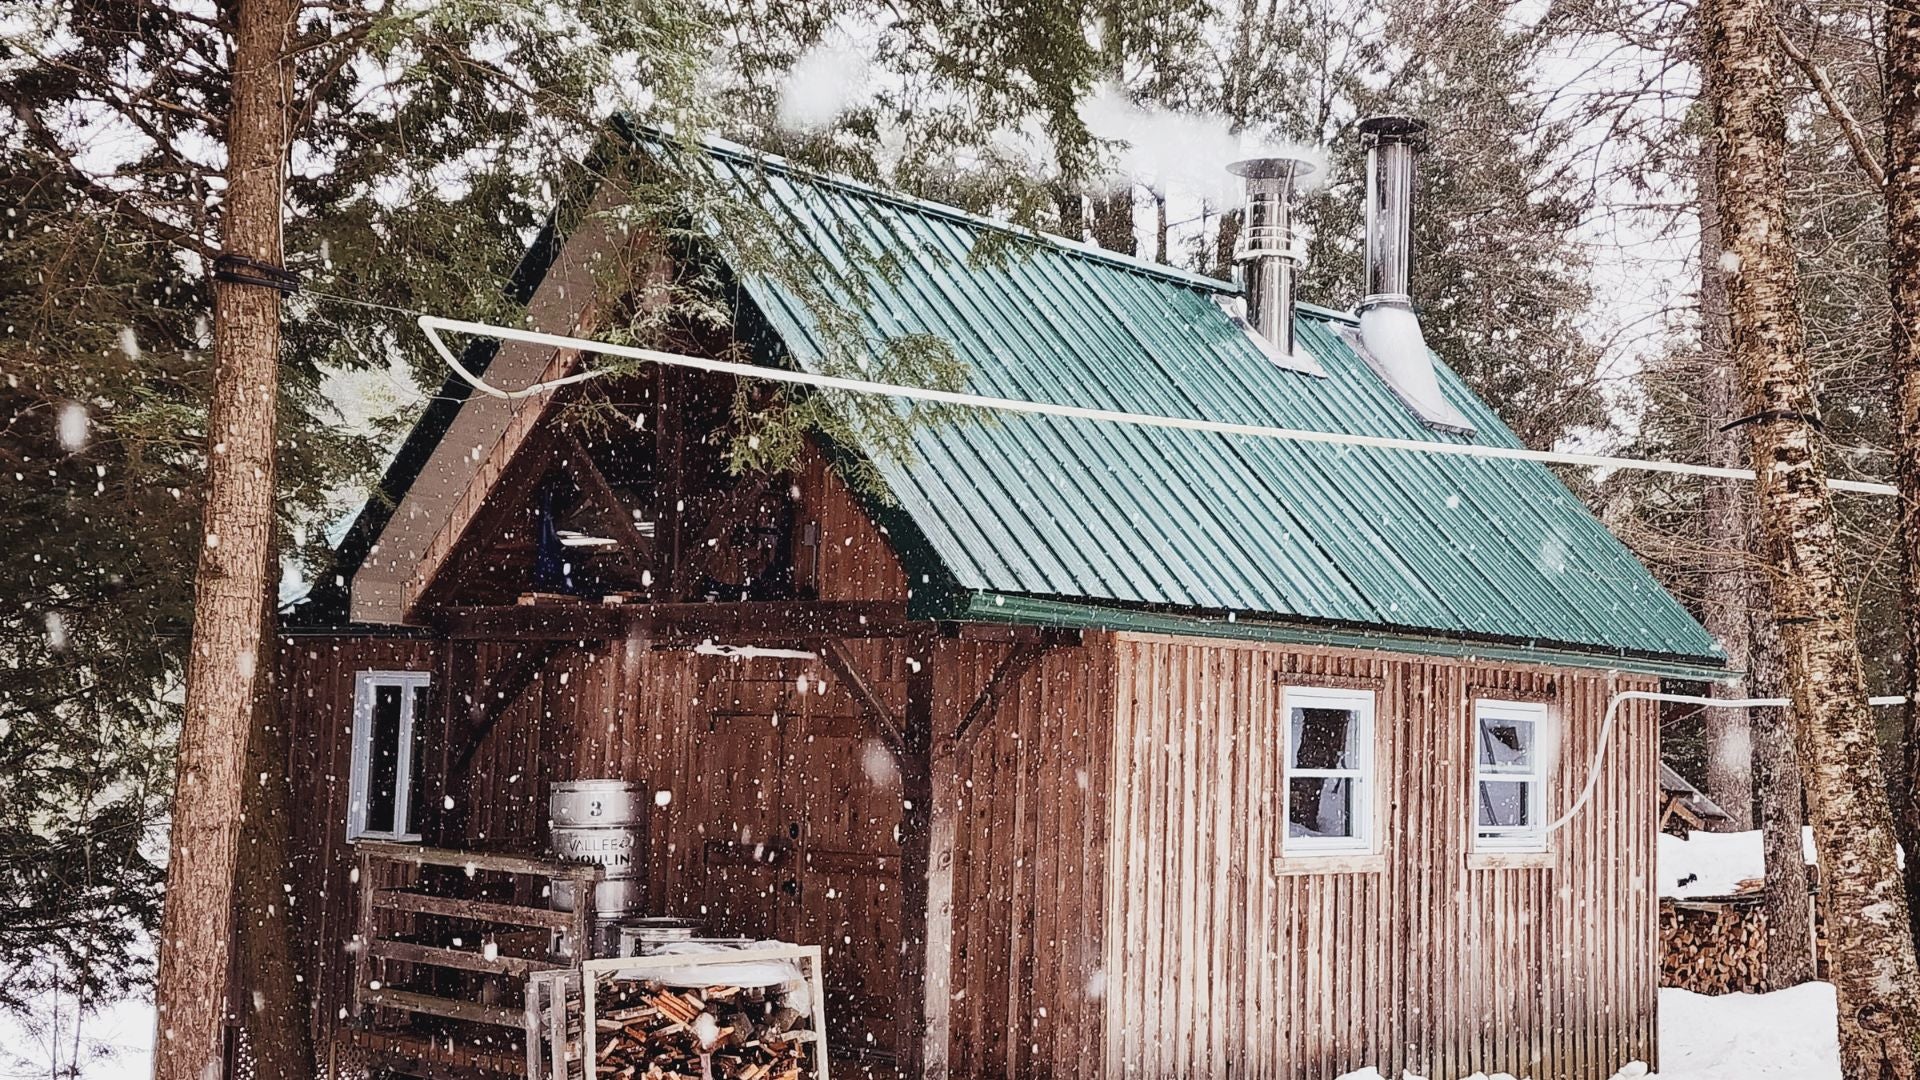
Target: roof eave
989 606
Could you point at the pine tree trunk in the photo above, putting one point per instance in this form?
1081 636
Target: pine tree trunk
1113 221
1873 954
1790 959
230 594
1725 507
272 1000
1903 255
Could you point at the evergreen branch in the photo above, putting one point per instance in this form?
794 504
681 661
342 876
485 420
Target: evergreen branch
118 202
1837 109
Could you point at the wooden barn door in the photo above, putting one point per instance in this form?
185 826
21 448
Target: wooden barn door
843 790
793 833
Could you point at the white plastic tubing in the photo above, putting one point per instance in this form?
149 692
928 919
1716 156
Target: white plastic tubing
1613 711
433 326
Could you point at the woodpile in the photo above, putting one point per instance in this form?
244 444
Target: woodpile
647 1031
1714 947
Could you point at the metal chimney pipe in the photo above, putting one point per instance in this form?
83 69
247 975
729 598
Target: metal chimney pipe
1392 143
1267 249
1390 336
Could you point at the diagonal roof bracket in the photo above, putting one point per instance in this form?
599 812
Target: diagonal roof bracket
834 652
1006 674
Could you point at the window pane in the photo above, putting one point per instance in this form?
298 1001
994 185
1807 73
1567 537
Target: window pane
1325 739
1506 742
1320 806
1505 804
419 758
383 759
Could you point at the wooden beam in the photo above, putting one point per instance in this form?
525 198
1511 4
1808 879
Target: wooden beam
457 670
496 696
470 1011
916 795
459 959
670 466
678 625
488 861
1006 674
586 473
490 911
834 652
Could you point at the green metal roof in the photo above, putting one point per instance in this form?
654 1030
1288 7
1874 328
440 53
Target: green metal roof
1109 514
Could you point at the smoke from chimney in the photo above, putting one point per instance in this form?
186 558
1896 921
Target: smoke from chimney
1389 330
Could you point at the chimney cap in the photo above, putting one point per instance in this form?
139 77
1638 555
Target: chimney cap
1392 127
1272 168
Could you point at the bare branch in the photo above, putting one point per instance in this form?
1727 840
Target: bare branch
1836 108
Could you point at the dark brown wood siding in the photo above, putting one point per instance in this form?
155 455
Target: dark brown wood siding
1223 959
315 686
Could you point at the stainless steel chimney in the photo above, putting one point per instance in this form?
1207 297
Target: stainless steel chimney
1390 333
1392 143
1267 250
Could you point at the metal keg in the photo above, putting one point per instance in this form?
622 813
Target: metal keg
604 822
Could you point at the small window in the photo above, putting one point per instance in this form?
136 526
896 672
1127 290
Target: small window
1329 771
1511 750
387 754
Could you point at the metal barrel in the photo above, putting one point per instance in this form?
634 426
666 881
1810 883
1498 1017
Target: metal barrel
639 937
604 822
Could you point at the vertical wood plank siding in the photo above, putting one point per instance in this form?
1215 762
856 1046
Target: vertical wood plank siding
1020 858
316 703
1223 960
1106 895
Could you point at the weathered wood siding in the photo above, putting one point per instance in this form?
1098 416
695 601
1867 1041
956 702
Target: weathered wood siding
1223 959
315 685
1019 864
1106 894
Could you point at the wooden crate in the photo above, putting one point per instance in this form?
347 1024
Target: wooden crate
675 1009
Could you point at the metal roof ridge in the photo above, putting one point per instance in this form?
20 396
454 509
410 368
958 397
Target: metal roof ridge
1085 248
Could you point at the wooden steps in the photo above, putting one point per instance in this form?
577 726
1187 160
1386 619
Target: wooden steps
492 911
459 959
472 1012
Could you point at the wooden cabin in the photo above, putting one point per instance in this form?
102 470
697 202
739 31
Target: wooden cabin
1083 750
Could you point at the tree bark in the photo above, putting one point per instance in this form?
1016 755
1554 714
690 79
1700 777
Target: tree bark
1903 256
272 1001
1789 946
1873 953
1724 504
230 588
1113 221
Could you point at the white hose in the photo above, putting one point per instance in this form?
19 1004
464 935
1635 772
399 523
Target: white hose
433 325
1613 711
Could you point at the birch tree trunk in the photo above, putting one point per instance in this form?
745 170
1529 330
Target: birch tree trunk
1789 946
230 588
1903 255
1873 955
1725 507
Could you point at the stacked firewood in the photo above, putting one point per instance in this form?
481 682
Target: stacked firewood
647 1031
1714 947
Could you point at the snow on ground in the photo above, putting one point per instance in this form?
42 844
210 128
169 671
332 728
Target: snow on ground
1788 1035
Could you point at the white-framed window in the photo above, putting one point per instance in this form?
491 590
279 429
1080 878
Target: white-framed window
1512 744
389 710
1329 781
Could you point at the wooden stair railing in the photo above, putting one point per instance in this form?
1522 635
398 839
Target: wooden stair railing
372 990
